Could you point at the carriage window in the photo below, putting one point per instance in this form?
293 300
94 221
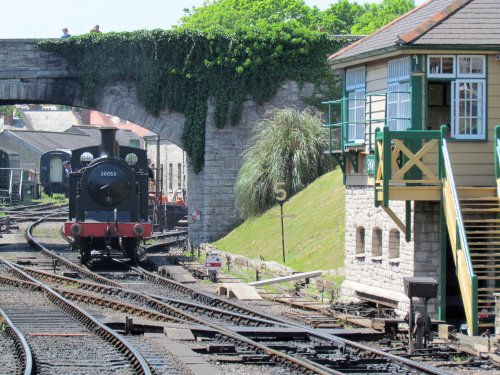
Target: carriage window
86 158
134 143
131 159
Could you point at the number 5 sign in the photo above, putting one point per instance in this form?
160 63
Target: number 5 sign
280 192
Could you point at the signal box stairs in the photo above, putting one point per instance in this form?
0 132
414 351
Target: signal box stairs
480 208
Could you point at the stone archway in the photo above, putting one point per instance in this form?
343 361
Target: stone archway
29 75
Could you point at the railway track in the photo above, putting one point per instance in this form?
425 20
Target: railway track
62 324
322 353
16 354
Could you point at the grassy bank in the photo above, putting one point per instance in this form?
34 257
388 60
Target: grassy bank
314 229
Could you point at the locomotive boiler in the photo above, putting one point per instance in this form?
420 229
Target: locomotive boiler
108 198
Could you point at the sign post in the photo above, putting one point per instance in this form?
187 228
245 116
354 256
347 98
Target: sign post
280 194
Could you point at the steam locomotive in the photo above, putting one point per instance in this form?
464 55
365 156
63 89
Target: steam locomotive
108 198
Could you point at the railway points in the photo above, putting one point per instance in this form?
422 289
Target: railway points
212 344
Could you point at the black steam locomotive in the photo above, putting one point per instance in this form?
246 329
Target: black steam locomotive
108 198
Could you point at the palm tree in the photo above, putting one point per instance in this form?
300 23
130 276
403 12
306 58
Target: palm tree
287 146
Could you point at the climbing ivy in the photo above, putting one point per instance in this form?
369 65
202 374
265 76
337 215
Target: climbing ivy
181 69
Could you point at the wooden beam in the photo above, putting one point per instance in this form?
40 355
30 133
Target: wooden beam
412 193
297 276
394 218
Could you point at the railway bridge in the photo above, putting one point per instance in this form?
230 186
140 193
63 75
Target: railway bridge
29 75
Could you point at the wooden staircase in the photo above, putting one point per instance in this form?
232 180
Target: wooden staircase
481 218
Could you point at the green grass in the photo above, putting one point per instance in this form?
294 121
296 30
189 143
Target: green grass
314 229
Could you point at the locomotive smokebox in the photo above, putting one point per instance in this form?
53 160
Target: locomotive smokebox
109 147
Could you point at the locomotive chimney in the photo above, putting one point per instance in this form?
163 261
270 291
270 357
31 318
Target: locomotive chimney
109 146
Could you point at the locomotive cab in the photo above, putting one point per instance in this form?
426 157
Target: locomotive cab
108 198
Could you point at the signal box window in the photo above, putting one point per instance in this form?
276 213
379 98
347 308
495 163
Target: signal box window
355 92
360 241
377 242
394 244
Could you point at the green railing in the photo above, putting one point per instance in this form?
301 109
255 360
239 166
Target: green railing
371 100
405 147
460 249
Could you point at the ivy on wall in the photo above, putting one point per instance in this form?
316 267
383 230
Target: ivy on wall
181 69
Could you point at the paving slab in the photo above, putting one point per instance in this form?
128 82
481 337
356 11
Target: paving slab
194 361
240 291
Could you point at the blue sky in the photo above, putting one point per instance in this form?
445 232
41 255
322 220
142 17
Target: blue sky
46 18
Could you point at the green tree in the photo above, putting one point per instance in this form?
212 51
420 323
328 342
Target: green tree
341 16
378 15
235 14
287 146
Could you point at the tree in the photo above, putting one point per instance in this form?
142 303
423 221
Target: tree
287 146
378 15
341 17
235 14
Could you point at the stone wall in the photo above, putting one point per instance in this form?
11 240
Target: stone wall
382 275
212 191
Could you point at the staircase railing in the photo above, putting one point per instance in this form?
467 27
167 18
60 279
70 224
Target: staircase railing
497 159
460 249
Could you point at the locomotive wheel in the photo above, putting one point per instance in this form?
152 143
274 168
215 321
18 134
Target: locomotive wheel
84 255
84 246
129 246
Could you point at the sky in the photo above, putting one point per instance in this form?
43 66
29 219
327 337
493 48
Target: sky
45 18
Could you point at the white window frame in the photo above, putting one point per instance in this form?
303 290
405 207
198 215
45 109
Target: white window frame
356 104
439 74
467 116
471 75
398 93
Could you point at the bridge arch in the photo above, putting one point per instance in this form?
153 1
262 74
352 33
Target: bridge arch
29 75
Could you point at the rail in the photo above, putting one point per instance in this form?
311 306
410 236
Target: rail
22 348
136 360
460 249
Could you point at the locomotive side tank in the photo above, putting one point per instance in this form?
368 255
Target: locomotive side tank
108 200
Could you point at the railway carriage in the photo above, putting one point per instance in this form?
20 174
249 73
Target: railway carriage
53 178
108 198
